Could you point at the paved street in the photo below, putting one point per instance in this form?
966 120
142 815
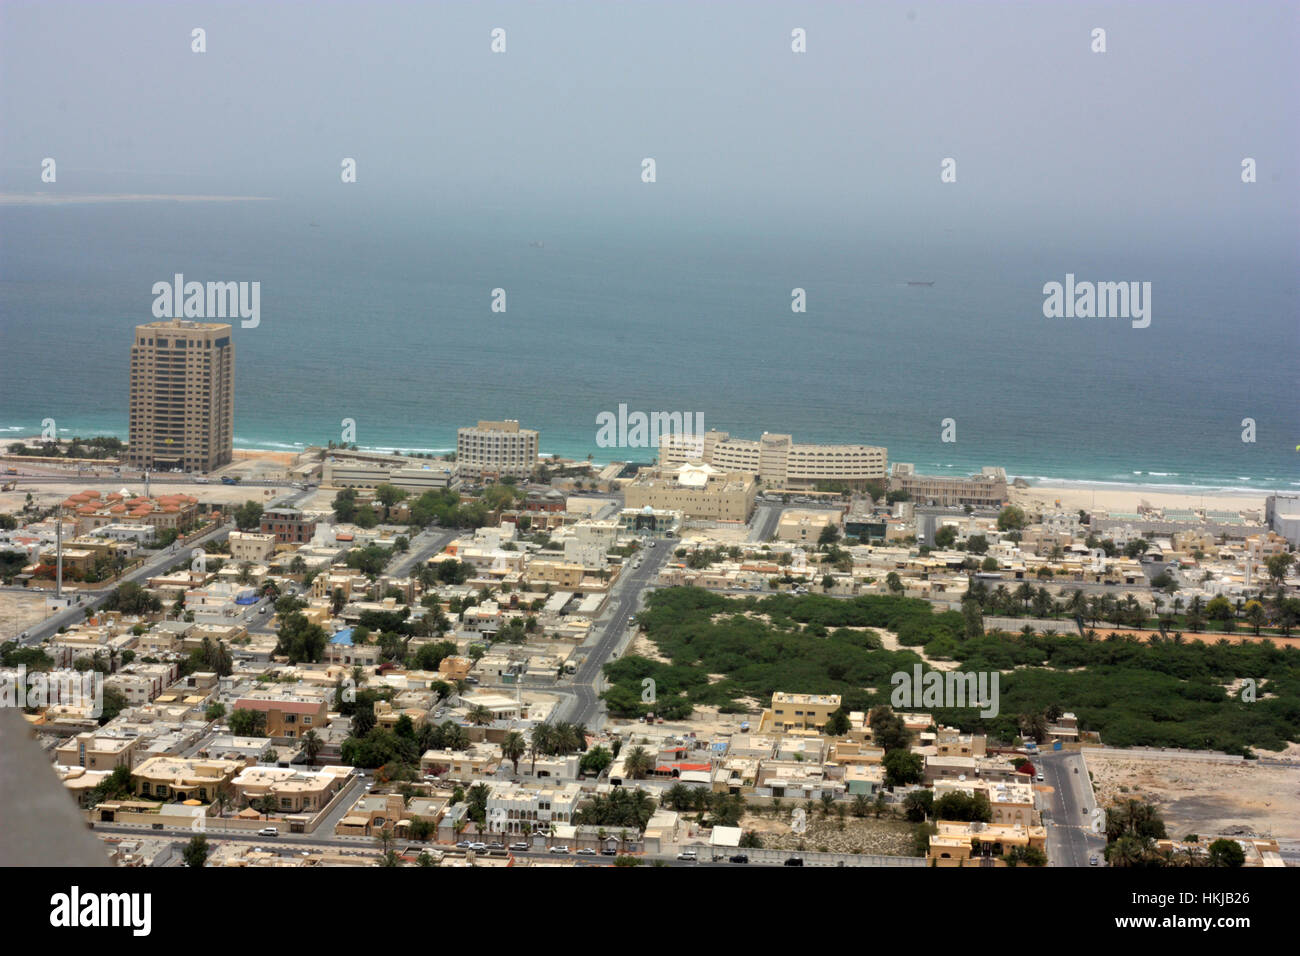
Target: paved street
584 707
1068 816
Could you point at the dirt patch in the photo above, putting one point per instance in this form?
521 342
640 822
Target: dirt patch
886 836
1205 797
19 611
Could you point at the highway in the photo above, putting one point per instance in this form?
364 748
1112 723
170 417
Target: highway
1068 817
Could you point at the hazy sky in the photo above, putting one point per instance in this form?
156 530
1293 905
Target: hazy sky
1148 136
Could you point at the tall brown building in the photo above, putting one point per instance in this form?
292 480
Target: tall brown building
182 396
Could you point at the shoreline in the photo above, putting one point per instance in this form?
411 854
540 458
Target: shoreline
1041 490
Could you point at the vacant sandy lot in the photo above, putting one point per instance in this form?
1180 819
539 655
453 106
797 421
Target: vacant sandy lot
860 835
19 611
1206 798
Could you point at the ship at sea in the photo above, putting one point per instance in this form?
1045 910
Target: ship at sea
919 282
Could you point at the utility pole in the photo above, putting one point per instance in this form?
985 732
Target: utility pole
58 550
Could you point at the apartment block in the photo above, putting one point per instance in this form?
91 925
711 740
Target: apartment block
182 396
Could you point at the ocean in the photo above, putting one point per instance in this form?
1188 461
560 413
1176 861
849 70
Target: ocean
383 316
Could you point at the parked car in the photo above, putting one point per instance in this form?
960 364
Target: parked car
609 851
496 846
463 845
688 855
268 831
793 861
559 849
1092 860
739 858
519 847
478 846
586 851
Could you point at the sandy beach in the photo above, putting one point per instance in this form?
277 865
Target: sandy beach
1127 499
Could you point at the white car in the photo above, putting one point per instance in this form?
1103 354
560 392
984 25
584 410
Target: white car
559 849
268 831
689 855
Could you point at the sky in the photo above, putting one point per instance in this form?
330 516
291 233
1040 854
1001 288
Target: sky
1142 141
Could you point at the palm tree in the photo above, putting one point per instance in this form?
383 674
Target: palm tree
540 742
478 715
311 746
513 748
638 763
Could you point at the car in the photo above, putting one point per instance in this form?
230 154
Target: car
793 861
739 858
262 609
268 831
463 845
586 851
609 851
519 847
478 846
1039 778
559 849
689 855
496 846
1076 769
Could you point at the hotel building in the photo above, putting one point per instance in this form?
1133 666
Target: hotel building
988 489
496 450
182 396
777 460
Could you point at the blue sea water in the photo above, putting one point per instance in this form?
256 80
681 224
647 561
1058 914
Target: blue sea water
384 317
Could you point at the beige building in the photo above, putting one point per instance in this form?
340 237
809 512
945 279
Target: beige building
698 491
805 527
250 546
182 396
988 489
777 460
496 450
176 778
799 712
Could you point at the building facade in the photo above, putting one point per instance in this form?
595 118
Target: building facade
496 450
988 489
182 396
778 461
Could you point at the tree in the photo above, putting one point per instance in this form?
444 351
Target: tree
829 535
248 516
311 746
1227 853
1011 518
248 723
638 763
513 748
893 582
196 851
902 767
945 537
1278 565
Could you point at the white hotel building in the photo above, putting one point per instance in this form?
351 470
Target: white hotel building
778 461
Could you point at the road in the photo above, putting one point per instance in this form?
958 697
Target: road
422 547
584 707
1068 818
